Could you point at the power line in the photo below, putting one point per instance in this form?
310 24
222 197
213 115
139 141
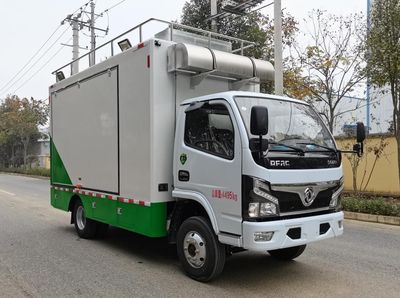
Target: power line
115 5
36 53
40 58
8 86
255 10
36 72
30 59
82 7
264 6
18 77
108 17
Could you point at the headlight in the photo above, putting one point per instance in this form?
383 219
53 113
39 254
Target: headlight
336 197
267 209
262 203
254 209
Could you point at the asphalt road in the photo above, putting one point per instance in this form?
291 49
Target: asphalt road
41 256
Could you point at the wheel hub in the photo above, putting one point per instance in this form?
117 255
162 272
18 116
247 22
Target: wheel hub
80 218
194 248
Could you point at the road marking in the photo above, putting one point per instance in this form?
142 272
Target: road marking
7 193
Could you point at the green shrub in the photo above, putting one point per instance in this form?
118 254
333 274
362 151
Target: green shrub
378 206
29 171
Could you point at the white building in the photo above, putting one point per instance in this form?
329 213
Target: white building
354 109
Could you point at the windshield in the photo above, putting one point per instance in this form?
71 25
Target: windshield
289 123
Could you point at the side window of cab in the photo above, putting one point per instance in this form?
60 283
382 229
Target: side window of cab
209 128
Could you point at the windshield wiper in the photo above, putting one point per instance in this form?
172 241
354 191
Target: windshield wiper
297 149
320 146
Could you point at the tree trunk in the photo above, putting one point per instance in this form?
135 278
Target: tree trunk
12 159
355 180
331 119
25 143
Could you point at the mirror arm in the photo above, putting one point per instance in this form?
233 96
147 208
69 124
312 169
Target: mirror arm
347 151
360 152
357 149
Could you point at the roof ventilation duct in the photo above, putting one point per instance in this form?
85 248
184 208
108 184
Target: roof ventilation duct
202 62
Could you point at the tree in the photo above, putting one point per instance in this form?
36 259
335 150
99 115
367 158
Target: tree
375 150
19 122
252 26
332 62
8 140
384 56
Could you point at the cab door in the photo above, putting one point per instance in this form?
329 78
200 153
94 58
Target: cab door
208 159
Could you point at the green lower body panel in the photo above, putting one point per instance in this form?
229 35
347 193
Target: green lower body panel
150 220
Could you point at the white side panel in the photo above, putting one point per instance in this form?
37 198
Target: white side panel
135 125
85 130
163 123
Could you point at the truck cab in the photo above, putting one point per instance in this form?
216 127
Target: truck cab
269 189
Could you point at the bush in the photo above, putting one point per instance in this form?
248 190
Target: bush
378 206
30 171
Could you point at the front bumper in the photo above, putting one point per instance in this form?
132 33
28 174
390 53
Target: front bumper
310 231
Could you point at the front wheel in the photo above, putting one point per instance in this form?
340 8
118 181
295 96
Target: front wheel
201 254
287 254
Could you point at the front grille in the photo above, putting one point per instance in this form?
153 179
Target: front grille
291 202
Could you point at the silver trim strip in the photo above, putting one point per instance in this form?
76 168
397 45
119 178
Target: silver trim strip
304 211
302 188
321 184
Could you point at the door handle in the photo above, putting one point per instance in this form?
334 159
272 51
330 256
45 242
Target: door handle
183 176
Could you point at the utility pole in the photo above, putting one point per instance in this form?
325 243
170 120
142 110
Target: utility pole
75 45
92 58
77 24
214 11
278 47
369 6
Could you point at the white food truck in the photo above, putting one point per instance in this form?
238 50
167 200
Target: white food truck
172 138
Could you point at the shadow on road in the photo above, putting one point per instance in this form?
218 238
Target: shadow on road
242 269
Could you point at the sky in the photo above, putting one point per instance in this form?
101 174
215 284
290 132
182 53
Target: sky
25 25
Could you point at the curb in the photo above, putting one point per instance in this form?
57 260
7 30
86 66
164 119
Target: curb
389 220
26 175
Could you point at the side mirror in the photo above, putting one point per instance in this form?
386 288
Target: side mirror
360 132
259 121
359 147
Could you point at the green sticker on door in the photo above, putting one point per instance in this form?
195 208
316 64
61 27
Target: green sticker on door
183 158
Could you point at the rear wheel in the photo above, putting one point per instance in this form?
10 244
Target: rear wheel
287 254
85 227
201 254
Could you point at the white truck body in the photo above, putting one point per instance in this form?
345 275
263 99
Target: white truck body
120 152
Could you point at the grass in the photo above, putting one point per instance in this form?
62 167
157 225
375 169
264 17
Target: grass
29 171
378 206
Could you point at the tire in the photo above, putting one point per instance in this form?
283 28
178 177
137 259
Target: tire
287 254
85 227
201 255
